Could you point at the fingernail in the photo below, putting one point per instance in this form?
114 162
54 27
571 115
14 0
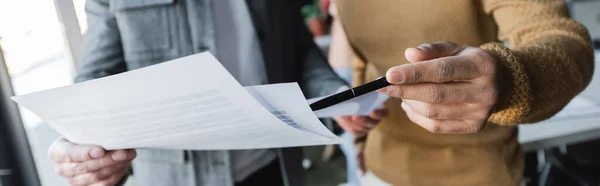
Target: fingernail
119 155
424 47
405 107
96 153
382 90
395 76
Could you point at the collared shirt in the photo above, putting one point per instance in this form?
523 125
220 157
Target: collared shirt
238 50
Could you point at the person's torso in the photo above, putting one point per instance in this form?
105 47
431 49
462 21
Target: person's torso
154 31
239 52
399 151
380 31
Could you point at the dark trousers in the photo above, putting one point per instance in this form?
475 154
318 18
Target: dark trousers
270 175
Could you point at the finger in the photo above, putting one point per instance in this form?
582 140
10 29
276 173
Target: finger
459 92
347 124
93 177
438 70
444 111
342 118
350 129
442 126
112 180
62 150
358 128
365 123
378 114
69 169
359 121
433 50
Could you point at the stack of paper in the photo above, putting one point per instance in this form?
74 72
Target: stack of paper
188 103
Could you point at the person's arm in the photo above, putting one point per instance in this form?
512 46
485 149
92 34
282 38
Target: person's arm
102 50
548 62
455 88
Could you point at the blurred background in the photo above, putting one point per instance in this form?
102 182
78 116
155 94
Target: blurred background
40 41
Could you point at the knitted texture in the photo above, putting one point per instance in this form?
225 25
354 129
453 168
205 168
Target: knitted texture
516 103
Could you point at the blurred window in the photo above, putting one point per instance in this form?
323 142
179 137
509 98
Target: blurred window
36 52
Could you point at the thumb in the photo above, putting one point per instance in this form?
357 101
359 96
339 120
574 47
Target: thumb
63 150
428 51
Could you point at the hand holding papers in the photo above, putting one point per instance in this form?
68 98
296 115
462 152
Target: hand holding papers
188 103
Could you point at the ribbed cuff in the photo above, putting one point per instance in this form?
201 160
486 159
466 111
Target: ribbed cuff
515 98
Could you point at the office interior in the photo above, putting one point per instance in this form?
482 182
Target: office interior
40 42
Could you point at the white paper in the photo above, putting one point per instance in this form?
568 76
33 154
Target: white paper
188 103
359 106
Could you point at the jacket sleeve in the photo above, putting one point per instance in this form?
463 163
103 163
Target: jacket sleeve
102 50
548 62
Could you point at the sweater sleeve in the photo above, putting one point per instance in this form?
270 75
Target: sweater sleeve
548 62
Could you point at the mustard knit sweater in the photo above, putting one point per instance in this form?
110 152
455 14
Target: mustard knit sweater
549 60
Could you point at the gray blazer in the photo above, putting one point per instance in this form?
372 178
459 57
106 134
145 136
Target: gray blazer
129 34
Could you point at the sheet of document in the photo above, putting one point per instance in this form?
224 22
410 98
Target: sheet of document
362 105
188 103
286 102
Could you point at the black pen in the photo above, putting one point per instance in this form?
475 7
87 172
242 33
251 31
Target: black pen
350 93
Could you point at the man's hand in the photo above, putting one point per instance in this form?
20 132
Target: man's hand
358 126
447 88
89 165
